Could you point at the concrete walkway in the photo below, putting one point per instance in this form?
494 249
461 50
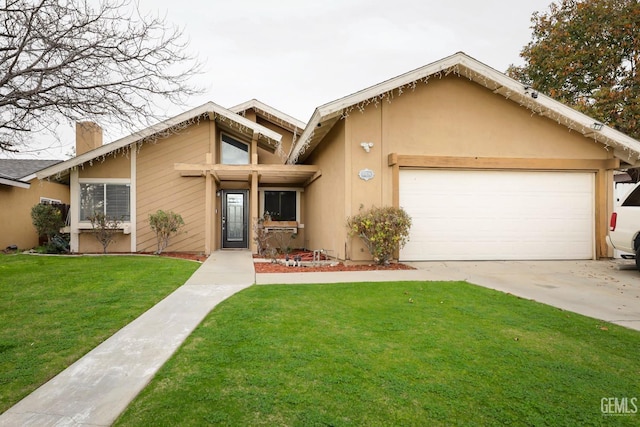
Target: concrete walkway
96 389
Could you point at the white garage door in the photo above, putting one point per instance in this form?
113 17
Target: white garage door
498 215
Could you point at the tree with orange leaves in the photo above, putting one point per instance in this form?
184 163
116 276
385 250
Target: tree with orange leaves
586 54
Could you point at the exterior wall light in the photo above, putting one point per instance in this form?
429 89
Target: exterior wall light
366 146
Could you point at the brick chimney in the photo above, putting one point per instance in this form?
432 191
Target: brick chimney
88 137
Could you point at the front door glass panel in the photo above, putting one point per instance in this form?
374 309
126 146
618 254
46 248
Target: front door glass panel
235 217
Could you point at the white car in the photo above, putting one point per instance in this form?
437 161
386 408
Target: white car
624 227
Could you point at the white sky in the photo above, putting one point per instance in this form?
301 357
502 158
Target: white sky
298 54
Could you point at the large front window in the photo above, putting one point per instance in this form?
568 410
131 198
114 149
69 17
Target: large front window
281 205
234 152
112 200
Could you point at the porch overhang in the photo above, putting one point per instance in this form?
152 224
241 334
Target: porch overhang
272 174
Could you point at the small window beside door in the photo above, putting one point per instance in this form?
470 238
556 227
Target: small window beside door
234 152
281 205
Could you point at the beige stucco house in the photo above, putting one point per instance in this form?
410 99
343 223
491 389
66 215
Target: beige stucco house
20 190
486 167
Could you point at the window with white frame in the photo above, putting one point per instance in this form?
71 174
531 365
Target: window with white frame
282 205
234 152
48 201
110 199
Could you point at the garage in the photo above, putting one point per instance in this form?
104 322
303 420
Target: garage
498 214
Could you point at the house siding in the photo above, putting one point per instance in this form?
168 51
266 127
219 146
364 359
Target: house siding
112 166
159 186
325 198
15 215
451 116
89 244
265 156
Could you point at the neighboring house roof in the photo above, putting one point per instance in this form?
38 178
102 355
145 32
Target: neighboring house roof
209 111
271 114
18 172
325 116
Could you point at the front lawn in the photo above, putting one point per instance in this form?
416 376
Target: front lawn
53 310
382 354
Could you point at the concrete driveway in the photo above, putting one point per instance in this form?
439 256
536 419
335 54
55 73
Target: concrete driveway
605 289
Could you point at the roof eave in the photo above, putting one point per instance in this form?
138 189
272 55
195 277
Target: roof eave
64 167
258 105
14 183
498 82
307 134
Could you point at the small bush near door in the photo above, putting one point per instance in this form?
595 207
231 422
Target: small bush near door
383 231
165 225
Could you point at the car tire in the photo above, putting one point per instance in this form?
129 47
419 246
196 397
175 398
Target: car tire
638 259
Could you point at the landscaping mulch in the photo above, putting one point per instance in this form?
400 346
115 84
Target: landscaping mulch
263 265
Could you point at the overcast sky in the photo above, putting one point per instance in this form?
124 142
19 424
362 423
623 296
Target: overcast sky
296 54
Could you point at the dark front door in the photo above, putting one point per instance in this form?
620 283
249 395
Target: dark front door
235 216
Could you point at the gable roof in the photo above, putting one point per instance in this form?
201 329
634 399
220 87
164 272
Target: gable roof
208 111
324 117
18 172
271 114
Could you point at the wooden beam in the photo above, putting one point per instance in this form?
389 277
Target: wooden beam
254 148
601 214
208 219
503 163
253 211
395 183
315 176
392 159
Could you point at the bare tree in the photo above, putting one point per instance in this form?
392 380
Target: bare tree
71 60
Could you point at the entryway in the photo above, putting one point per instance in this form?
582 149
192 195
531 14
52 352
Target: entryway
235 219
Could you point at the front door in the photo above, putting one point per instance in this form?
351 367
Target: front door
235 215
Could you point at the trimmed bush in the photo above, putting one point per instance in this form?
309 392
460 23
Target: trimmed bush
383 230
165 225
47 219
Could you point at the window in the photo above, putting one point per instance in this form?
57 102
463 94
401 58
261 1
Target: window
48 201
281 205
633 199
109 199
234 152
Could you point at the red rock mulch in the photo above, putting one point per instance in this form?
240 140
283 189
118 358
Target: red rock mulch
269 267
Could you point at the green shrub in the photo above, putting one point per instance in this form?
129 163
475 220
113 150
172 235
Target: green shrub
383 231
165 225
47 219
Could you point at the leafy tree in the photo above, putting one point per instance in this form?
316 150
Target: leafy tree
382 230
105 229
165 225
72 60
586 54
47 219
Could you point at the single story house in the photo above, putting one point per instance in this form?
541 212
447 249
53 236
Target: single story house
487 168
20 190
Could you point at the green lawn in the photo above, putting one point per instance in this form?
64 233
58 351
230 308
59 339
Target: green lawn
387 354
53 310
